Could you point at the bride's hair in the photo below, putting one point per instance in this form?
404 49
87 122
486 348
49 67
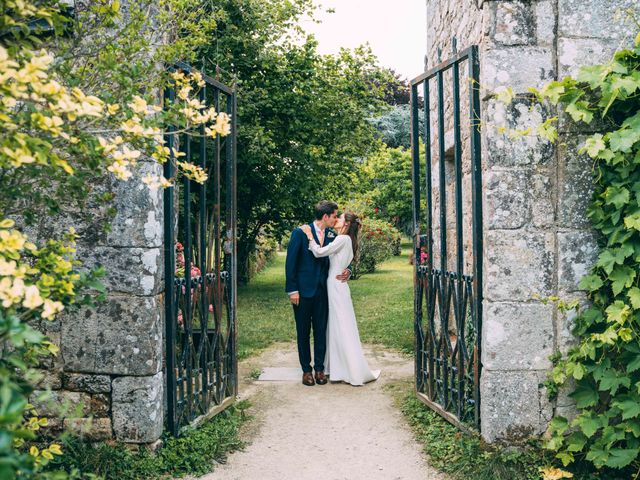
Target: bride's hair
353 230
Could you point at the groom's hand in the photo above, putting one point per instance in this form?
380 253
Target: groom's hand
344 276
294 298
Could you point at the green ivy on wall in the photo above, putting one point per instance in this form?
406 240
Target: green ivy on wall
605 362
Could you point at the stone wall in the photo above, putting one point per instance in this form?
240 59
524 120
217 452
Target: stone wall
109 375
537 238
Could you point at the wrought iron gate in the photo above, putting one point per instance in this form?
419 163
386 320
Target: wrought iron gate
200 291
448 287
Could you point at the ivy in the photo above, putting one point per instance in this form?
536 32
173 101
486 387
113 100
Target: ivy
605 362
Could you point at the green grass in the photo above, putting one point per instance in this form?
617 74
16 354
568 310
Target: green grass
464 456
383 302
467 457
195 452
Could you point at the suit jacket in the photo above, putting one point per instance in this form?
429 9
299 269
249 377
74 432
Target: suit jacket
304 272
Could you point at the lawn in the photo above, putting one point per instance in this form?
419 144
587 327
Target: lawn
383 302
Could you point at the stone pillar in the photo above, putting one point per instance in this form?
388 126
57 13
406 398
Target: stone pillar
111 356
537 238
538 241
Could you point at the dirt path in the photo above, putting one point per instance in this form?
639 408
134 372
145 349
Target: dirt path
328 432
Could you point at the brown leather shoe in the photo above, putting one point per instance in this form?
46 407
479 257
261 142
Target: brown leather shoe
321 378
307 379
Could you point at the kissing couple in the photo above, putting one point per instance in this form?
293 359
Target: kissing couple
318 262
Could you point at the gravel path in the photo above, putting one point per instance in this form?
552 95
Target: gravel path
328 432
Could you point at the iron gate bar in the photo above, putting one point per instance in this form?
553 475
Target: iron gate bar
169 278
448 373
200 355
446 64
476 193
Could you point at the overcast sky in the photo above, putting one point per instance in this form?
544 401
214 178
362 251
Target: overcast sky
395 29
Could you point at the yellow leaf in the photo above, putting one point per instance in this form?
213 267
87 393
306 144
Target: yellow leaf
7 223
638 39
33 451
47 454
552 473
55 449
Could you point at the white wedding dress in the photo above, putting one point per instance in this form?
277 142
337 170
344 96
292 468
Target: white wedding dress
345 359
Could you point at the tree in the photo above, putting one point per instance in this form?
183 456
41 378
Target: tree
384 184
302 118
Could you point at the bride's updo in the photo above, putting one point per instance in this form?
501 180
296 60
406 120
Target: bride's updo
353 230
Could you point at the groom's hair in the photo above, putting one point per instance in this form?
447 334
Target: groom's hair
325 208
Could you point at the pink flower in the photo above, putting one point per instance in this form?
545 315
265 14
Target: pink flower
179 247
211 308
195 271
180 259
180 319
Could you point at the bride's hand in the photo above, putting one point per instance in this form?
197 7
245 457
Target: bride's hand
306 229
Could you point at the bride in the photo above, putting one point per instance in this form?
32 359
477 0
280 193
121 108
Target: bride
344 360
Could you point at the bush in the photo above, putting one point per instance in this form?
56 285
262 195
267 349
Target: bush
266 248
194 452
378 241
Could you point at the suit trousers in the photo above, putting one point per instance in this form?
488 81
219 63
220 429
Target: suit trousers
312 311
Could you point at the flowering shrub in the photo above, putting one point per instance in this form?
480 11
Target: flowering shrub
60 131
376 244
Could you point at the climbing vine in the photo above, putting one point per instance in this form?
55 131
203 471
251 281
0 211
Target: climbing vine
605 362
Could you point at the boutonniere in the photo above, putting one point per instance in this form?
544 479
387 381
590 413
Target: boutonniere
330 234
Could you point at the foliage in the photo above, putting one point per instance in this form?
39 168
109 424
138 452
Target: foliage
378 241
192 453
68 119
394 127
266 248
302 116
605 364
382 301
384 183
398 91
464 456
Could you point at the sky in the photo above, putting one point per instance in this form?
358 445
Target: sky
395 29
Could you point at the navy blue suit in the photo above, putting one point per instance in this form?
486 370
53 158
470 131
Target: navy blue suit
308 275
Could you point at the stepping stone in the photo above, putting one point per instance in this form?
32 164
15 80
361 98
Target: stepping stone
280 374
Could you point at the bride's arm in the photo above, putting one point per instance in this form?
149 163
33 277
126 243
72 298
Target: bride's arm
327 250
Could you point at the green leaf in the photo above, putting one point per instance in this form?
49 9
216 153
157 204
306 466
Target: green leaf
584 395
598 456
559 425
553 91
589 423
621 457
623 139
634 364
621 277
591 74
629 405
616 196
612 381
628 84
634 297
593 145
591 283
618 312
576 441
633 221
578 371
580 112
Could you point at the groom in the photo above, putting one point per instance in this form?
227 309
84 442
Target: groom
306 284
